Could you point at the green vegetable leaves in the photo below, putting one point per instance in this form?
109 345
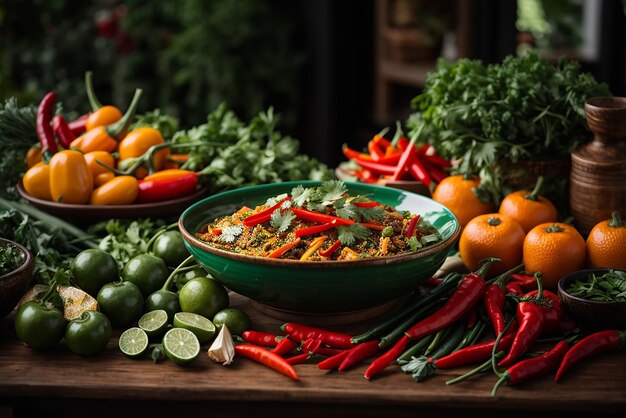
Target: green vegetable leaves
281 219
126 240
10 258
350 233
610 287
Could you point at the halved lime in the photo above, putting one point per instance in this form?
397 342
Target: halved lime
153 322
133 342
202 327
181 345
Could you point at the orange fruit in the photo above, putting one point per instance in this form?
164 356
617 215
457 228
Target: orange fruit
554 249
492 235
457 194
528 208
606 244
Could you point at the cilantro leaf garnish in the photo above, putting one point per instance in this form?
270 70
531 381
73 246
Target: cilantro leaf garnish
300 195
350 233
281 219
345 211
273 200
230 233
376 213
331 191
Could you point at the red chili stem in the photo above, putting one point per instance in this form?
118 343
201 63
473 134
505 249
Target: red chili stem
267 358
44 129
260 338
590 346
359 353
260 217
63 131
308 215
330 250
302 333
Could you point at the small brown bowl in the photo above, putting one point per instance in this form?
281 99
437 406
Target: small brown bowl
14 284
588 313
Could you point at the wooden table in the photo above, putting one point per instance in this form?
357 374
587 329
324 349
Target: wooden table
111 384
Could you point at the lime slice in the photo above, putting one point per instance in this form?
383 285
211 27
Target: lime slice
133 342
181 345
153 322
202 327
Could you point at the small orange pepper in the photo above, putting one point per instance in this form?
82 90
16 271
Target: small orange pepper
33 156
139 141
169 174
70 178
121 190
36 181
102 178
92 158
100 115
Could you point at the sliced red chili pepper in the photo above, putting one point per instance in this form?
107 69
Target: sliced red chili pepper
591 345
410 227
300 332
375 152
315 229
278 252
418 171
533 367
44 129
285 346
267 358
375 227
333 362
299 358
62 131
375 167
79 125
264 215
371 204
359 353
309 215
158 190
264 339
330 250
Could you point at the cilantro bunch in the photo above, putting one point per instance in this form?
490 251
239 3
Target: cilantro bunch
488 116
608 287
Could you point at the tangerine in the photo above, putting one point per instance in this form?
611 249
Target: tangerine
606 244
553 249
492 235
457 194
528 208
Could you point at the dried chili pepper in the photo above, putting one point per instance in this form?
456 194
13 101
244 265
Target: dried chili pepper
301 333
359 353
267 358
264 339
44 129
533 367
285 346
591 345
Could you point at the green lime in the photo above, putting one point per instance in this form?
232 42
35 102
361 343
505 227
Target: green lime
235 319
203 296
182 278
147 272
133 342
181 345
92 269
202 327
170 247
153 322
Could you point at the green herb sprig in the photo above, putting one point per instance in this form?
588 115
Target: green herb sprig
609 287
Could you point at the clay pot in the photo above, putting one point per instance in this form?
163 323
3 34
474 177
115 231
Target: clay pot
598 174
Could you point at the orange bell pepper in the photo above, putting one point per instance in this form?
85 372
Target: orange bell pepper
70 178
36 181
100 115
121 190
139 141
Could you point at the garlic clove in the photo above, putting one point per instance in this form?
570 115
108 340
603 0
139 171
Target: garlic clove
223 349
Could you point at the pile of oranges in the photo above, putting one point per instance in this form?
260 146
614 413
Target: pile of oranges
525 229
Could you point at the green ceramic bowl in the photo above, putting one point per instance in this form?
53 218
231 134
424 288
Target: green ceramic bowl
319 286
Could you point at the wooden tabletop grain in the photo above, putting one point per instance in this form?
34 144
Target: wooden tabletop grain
64 379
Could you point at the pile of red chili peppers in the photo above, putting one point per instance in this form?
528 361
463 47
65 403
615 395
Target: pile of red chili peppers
397 160
447 327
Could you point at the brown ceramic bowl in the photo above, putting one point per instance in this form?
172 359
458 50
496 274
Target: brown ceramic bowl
14 284
589 313
167 208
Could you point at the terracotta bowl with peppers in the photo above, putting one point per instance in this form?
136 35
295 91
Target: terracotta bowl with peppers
332 286
577 291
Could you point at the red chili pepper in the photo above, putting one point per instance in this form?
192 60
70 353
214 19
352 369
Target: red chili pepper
494 299
418 171
473 353
298 359
526 282
330 250
407 157
375 227
375 167
371 204
285 346
566 326
467 294
334 361
352 154
260 338
513 288
308 215
375 152
530 319
437 161
315 229
79 125
301 333
533 367
403 143
365 176
278 252
63 131
432 282
359 353
410 227
158 190
317 347
471 318
264 215
552 310
436 173
591 345
381 141
44 129
267 358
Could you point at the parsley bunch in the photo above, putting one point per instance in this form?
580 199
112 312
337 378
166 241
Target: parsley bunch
490 115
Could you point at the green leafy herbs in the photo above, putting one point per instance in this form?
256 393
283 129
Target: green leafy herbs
230 233
233 154
493 116
609 287
10 258
350 233
166 124
281 219
330 191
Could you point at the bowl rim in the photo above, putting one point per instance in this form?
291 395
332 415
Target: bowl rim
375 261
569 277
28 258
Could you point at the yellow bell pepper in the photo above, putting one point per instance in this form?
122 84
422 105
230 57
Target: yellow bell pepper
92 158
36 181
139 141
70 178
121 190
